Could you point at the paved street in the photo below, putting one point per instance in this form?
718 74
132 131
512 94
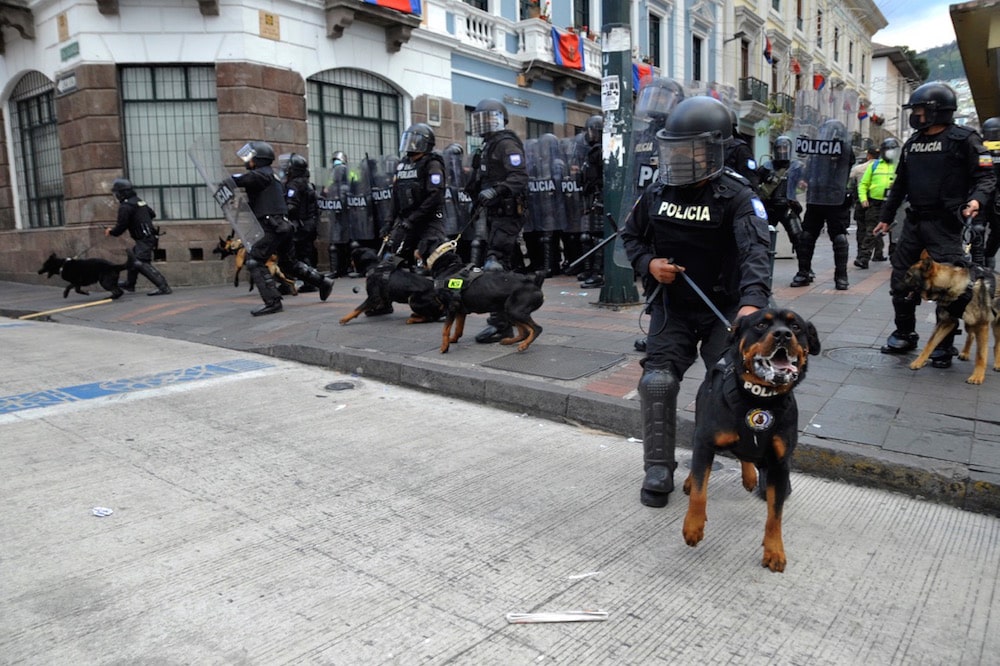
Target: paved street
260 518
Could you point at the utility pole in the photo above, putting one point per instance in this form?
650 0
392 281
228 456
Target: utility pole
616 104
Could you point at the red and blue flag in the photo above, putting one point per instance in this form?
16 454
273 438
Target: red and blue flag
405 6
640 74
568 50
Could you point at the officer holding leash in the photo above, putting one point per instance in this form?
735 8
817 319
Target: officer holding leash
946 174
136 217
699 225
418 194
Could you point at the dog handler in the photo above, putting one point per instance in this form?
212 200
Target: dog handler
136 216
946 174
705 221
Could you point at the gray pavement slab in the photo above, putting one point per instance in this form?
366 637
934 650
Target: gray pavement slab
901 427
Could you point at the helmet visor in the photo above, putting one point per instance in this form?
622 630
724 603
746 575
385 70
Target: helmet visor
690 160
247 152
783 151
413 142
656 102
485 122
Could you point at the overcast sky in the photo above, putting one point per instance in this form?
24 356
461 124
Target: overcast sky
919 24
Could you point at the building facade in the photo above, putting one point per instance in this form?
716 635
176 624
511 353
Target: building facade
92 90
893 79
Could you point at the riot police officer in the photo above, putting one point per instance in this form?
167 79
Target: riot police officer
827 202
772 178
739 156
705 221
500 185
991 139
303 211
136 217
593 194
266 198
418 195
946 174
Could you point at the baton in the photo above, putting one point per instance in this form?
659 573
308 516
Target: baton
592 250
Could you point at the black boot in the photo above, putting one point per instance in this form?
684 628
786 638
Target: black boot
658 392
841 252
312 277
156 277
804 255
900 342
944 352
268 308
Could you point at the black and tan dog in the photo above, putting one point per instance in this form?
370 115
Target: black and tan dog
232 246
82 272
388 282
746 406
945 284
462 291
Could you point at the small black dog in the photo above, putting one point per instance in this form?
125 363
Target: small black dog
745 405
388 282
462 291
82 272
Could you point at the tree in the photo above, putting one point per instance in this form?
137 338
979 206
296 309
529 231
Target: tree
919 64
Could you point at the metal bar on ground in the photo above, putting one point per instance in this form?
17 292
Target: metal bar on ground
66 309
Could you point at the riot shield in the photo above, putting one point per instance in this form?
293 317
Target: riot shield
380 181
359 211
827 161
551 215
332 204
532 166
207 160
574 154
457 204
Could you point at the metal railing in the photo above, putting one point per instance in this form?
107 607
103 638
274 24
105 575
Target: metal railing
753 89
781 103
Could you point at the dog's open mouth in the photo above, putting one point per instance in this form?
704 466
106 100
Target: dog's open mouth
778 369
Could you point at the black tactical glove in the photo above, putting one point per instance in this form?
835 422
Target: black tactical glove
487 196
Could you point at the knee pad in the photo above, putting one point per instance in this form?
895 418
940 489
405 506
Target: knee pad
251 263
806 239
657 383
840 242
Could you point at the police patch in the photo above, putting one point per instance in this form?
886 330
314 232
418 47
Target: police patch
985 161
291 192
515 159
435 179
759 419
455 283
752 165
758 208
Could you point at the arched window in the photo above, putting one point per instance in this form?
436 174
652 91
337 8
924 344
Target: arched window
354 112
38 162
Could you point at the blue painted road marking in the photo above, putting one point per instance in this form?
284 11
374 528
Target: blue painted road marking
50 397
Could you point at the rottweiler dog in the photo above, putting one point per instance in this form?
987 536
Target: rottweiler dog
388 282
232 246
82 272
746 406
945 284
463 291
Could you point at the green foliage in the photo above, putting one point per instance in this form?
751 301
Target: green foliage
944 62
919 63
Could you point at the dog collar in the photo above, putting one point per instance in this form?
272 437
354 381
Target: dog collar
64 266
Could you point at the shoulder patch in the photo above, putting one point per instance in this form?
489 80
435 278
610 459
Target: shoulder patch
752 165
758 208
435 179
290 192
986 161
515 159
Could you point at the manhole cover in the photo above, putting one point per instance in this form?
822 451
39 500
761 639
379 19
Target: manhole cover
339 386
863 357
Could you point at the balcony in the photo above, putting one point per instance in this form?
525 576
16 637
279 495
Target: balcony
527 45
398 26
753 99
781 103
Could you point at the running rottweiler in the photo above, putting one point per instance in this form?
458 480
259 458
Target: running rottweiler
745 406
82 272
388 282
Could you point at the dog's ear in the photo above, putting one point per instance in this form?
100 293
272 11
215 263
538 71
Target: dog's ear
812 337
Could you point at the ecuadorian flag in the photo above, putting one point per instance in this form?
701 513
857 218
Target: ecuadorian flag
405 6
568 50
640 74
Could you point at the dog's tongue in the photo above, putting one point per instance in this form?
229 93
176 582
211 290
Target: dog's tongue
781 362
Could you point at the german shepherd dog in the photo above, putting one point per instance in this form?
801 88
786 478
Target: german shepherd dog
462 291
82 272
944 284
745 405
388 282
232 246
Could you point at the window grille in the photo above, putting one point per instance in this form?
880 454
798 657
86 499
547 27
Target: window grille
38 161
164 110
354 112
537 128
472 141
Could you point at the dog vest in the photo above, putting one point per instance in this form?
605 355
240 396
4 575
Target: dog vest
755 416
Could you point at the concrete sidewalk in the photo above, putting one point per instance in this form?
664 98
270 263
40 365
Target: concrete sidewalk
865 417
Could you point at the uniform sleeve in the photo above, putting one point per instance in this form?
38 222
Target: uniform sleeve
124 218
894 197
753 241
252 181
981 167
637 238
512 155
865 183
745 165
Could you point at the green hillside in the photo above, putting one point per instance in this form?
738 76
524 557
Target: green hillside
944 63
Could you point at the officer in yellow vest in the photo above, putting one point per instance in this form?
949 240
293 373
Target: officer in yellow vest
872 188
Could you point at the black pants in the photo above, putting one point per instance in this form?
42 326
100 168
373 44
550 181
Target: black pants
677 336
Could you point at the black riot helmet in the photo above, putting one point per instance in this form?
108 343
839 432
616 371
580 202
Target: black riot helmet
991 129
297 167
418 138
889 150
339 157
489 116
260 152
782 152
938 102
595 129
122 188
692 144
657 99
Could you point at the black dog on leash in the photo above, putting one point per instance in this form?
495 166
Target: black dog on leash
388 282
462 291
82 272
745 406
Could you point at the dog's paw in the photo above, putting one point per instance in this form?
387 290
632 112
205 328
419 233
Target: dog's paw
774 560
917 364
749 473
694 531
963 356
976 378
687 485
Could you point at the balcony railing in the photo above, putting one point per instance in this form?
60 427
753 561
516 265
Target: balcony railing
781 103
752 89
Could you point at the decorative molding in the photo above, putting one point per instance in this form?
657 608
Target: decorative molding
19 18
108 7
562 79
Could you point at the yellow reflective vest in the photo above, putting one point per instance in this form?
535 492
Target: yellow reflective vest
877 180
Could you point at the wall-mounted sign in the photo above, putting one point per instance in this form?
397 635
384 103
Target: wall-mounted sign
66 83
270 27
63 24
69 51
434 111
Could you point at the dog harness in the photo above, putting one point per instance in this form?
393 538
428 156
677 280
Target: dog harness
756 416
64 266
